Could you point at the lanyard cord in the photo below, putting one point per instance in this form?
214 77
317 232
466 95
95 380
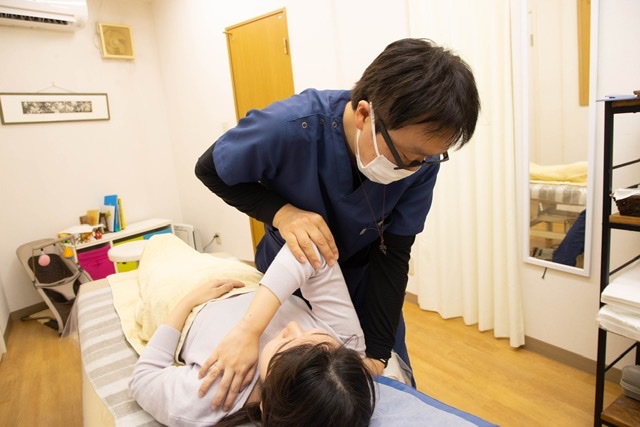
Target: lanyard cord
379 225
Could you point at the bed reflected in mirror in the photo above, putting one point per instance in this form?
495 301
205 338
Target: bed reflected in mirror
559 135
558 206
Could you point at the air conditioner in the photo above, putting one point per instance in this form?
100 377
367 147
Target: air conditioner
65 15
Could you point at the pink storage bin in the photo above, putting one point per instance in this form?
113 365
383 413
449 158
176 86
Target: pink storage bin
96 262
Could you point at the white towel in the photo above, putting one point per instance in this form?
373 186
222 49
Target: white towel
623 193
619 321
624 290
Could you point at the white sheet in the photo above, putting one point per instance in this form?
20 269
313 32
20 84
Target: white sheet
624 290
564 194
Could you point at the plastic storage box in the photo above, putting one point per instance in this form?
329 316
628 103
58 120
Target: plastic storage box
630 381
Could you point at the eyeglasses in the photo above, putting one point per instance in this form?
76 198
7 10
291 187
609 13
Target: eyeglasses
440 158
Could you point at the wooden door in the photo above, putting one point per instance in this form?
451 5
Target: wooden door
261 70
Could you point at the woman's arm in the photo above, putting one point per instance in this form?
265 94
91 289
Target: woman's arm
236 357
155 379
166 391
156 383
325 290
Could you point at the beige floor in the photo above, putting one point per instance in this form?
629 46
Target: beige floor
475 372
40 379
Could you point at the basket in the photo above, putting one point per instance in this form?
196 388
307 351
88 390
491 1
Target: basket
629 206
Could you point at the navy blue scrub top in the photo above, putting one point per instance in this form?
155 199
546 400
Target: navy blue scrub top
296 148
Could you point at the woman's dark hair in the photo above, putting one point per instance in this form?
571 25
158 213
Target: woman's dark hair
414 81
312 385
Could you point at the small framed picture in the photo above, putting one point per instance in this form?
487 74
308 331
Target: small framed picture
116 41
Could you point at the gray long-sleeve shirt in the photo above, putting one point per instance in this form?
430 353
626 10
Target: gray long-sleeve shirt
170 393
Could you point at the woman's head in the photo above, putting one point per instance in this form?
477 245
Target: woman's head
290 336
317 384
309 379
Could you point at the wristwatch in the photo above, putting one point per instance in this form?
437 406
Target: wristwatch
385 361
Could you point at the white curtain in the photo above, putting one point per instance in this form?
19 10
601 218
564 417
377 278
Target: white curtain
466 262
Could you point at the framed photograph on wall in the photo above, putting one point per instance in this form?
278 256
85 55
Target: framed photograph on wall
116 41
20 108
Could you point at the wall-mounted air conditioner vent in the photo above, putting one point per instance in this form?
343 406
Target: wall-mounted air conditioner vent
65 15
35 19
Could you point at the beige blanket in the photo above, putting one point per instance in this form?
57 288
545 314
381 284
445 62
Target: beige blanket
572 173
168 270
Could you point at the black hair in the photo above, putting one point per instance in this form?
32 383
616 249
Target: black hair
312 385
414 81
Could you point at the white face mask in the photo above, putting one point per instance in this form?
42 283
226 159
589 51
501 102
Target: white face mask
380 169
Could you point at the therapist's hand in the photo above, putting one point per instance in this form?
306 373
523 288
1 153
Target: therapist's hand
301 229
234 361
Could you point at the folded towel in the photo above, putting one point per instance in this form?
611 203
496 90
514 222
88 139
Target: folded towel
571 173
168 270
619 321
624 290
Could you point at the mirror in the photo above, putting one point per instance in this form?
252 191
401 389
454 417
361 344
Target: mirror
560 130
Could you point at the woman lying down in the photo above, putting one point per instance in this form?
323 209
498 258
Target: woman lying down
310 368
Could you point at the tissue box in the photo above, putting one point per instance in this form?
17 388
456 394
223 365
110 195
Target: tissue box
630 381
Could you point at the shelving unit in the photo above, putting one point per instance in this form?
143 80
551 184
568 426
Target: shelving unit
623 411
92 256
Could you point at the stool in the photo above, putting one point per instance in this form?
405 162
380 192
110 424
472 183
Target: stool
127 252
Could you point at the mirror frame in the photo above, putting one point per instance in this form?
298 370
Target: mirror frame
591 144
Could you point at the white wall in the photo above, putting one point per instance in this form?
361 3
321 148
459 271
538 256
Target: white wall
53 173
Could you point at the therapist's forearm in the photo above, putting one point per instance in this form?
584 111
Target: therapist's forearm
253 198
384 294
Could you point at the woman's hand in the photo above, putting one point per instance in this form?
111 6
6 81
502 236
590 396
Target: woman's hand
234 360
300 228
212 290
197 296
236 357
